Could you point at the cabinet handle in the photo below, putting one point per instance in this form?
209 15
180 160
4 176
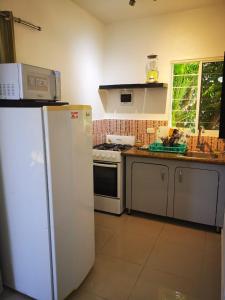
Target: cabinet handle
180 176
162 175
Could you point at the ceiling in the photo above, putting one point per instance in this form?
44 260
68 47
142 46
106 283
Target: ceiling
109 11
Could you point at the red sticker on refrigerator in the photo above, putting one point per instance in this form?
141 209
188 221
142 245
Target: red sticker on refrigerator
74 114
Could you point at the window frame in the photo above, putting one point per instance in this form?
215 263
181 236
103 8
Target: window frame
212 133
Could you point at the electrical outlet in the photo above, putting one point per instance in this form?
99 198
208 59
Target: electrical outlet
150 130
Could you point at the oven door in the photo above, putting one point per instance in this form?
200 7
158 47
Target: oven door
106 179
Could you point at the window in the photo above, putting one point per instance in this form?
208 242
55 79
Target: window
196 94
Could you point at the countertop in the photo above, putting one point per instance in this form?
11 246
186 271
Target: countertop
219 160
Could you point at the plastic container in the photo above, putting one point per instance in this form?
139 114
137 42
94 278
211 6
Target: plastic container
159 147
152 74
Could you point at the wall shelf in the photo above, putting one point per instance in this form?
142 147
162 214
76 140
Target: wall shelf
133 86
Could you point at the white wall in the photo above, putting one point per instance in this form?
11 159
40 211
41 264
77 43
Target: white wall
75 43
72 41
185 35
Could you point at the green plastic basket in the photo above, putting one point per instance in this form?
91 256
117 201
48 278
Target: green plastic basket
159 147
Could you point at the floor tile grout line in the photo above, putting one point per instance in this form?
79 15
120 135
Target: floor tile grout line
203 261
153 268
95 294
144 264
105 256
91 293
101 252
156 241
119 259
104 244
177 275
204 254
113 230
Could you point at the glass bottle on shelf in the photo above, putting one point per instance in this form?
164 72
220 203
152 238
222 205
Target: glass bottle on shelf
152 73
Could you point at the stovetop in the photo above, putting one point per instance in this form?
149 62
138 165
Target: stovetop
112 147
111 150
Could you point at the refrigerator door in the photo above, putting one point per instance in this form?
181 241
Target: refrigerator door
24 223
68 132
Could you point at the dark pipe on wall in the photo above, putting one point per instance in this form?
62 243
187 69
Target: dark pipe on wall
7 40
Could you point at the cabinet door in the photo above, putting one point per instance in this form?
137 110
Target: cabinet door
149 188
195 197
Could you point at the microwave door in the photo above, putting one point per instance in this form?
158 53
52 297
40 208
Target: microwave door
55 79
37 83
57 85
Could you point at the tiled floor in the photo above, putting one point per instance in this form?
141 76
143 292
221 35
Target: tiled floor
142 259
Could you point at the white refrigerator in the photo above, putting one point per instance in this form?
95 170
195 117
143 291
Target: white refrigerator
46 199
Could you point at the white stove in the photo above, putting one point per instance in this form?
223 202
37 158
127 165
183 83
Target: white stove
108 173
106 155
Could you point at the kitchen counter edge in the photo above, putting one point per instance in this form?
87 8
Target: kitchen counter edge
174 156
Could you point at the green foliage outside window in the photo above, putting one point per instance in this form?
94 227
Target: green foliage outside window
211 87
185 95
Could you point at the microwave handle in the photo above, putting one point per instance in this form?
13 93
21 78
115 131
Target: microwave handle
57 85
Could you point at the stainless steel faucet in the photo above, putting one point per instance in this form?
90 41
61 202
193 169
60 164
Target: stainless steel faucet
200 144
208 146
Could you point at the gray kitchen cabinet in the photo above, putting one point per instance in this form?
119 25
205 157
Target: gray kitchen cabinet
150 188
196 194
186 190
223 261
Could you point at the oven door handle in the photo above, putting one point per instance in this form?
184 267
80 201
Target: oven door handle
105 165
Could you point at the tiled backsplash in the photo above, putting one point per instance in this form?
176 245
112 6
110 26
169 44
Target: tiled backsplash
125 127
138 128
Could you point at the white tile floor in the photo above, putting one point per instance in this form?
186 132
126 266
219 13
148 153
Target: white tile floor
143 259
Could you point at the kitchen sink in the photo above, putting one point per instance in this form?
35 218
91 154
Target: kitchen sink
201 155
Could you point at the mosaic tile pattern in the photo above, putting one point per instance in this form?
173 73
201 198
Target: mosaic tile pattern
125 127
138 128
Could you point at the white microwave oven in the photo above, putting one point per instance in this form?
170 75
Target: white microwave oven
26 82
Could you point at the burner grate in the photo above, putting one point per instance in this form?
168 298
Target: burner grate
112 147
